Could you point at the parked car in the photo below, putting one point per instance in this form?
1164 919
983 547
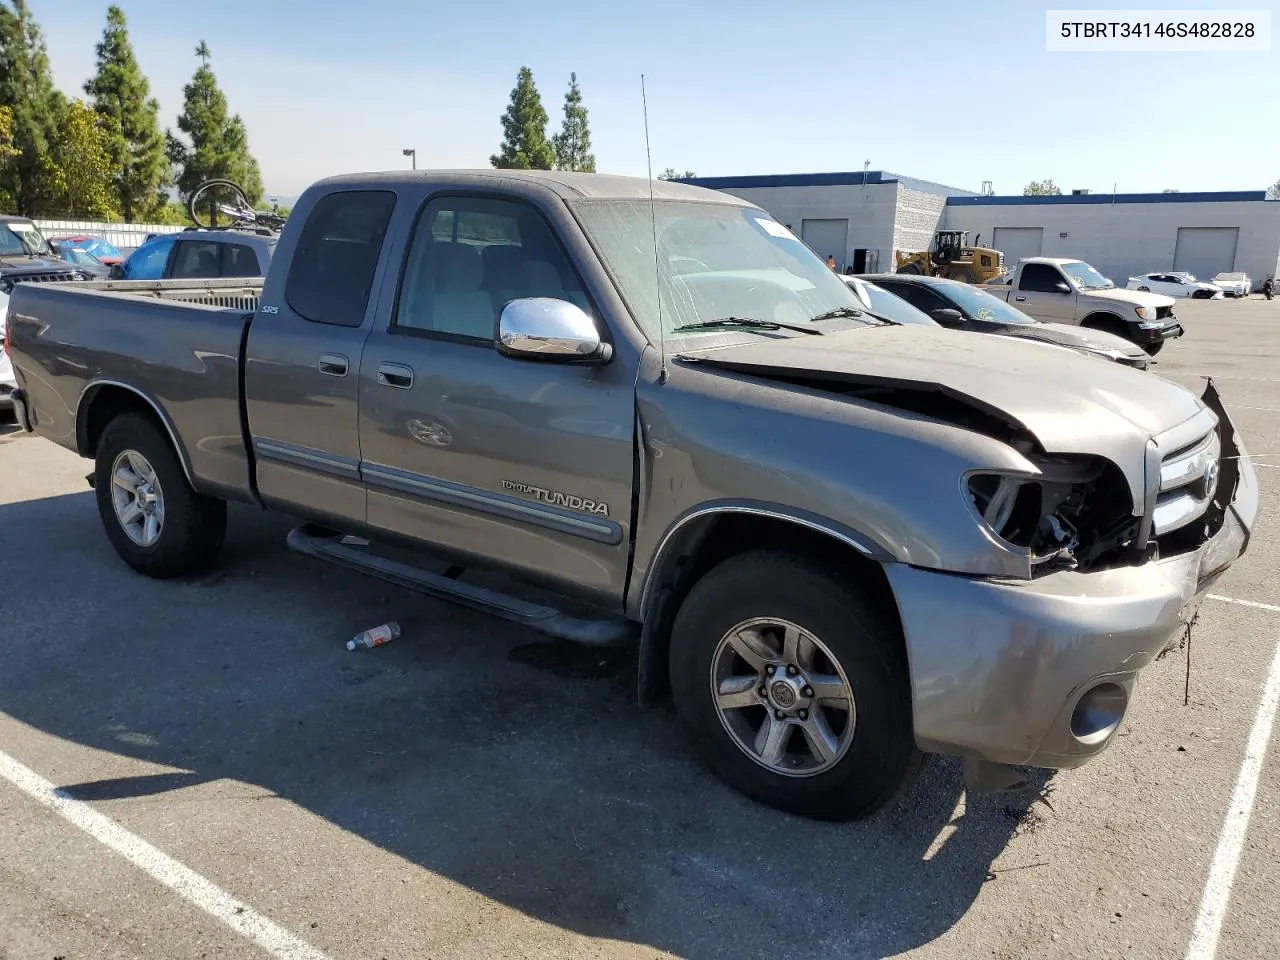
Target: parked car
1059 290
85 261
1234 284
8 383
26 257
962 306
200 254
104 251
1175 285
884 304
842 542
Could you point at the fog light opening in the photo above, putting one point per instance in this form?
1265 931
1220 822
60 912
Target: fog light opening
1098 713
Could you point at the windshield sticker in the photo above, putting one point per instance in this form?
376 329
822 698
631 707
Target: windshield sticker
986 313
774 229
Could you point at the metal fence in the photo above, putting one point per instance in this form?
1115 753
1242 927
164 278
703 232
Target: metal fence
123 235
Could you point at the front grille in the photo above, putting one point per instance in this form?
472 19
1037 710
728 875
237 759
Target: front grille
1188 480
1164 313
43 277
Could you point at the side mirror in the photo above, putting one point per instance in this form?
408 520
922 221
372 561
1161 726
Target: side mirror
555 331
1062 286
947 316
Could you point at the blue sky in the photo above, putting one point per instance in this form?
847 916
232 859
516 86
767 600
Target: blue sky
960 95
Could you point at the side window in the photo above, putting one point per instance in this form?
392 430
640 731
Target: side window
332 270
918 297
1040 278
239 260
147 262
195 259
470 256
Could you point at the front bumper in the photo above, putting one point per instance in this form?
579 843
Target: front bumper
998 667
1158 334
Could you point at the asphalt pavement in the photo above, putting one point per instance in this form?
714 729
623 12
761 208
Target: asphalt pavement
199 768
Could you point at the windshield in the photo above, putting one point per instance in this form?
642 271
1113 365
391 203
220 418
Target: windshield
1084 276
980 305
895 308
714 261
21 237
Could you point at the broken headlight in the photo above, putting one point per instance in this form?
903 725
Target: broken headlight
1077 513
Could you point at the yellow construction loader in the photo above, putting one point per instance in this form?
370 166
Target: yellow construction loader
951 256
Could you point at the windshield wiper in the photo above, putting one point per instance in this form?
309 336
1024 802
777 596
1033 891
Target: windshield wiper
748 322
853 312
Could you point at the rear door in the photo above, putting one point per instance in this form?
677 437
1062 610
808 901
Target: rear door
528 464
1039 292
303 368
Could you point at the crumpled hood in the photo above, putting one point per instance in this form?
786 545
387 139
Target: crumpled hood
1080 338
1069 402
1135 297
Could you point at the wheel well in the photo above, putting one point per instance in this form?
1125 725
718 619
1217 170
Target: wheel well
1110 322
103 405
707 541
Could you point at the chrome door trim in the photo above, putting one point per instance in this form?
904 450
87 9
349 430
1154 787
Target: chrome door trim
307 458
435 490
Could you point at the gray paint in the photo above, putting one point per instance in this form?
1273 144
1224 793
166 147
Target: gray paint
995 663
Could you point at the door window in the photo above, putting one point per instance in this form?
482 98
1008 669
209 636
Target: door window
470 257
917 296
331 274
1040 278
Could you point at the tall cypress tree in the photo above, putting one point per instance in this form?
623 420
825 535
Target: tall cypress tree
524 129
26 87
573 142
122 97
219 143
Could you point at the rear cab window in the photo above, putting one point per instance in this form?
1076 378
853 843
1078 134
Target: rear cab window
331 273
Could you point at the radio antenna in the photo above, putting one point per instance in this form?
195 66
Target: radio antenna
653 222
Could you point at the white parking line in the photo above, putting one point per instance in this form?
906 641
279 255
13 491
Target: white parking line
1226 858
182 880
1244 603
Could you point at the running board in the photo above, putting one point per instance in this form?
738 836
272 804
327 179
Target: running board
324 544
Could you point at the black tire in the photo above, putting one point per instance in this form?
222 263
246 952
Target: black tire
1144 289
194 525
963 274
1154 348
1108 323
866 641
911 269
217 190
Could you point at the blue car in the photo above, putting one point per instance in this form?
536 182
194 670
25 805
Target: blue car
96 246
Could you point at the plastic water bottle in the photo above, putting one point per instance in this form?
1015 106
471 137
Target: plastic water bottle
375 637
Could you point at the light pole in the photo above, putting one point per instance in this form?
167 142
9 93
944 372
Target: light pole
412 155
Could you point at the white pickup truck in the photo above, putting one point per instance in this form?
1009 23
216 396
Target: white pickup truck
1059 290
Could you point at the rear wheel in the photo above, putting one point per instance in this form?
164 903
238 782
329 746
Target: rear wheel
157 523
1145 289
792 686
911 268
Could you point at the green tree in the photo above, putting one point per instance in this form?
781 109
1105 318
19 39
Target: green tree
1041 188
573 142
671 173
80 166
26 88
524 130
122 97
218 142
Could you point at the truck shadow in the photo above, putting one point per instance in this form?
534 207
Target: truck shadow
522 770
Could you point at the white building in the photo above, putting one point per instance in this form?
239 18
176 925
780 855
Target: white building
862 218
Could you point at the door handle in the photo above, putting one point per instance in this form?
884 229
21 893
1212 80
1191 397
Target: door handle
1020 299
395 375
333 364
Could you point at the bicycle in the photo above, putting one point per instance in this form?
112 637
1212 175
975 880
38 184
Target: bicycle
226 197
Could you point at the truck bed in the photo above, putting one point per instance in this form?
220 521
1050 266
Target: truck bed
176 344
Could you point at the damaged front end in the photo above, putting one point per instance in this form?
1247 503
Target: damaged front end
1075 514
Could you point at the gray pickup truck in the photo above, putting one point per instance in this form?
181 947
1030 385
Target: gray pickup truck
839 543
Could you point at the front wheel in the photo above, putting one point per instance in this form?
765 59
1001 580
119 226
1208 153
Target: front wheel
158 524
218 203
911 269
1154 348
792 685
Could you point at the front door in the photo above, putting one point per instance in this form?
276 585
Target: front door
304 352
529 464
1039 293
